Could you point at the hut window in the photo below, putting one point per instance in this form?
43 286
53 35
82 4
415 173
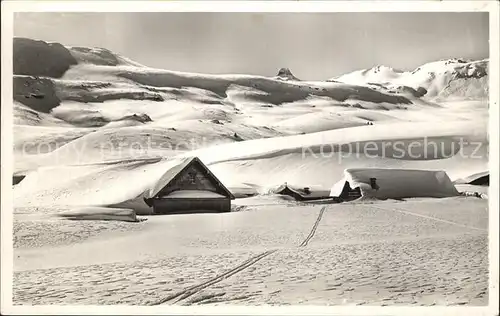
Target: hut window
192 177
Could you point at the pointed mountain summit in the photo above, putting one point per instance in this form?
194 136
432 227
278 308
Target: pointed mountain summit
285 74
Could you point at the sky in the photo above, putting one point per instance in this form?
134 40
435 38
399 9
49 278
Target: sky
315 46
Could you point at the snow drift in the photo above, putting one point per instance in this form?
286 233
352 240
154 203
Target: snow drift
261 163
122 184
396 183
100 214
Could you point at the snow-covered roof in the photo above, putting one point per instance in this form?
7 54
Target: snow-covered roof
171 170
312 193
175 167
397 183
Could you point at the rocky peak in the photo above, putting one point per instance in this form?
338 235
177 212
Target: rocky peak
286 74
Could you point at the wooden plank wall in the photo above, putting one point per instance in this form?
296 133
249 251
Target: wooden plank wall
194 178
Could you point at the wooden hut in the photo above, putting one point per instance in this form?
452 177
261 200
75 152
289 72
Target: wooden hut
189 187
348 193
301 194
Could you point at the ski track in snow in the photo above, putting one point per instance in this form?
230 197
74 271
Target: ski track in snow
184 294
430 217
195 289
313 230
446 266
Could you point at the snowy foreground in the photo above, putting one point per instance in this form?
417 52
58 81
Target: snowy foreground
419 252
93 129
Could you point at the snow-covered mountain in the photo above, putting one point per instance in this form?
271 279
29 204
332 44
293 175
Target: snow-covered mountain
450 78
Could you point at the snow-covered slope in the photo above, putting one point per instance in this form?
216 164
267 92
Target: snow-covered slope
442 79
88 119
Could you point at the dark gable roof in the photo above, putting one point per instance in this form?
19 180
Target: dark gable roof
176 169
312 194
